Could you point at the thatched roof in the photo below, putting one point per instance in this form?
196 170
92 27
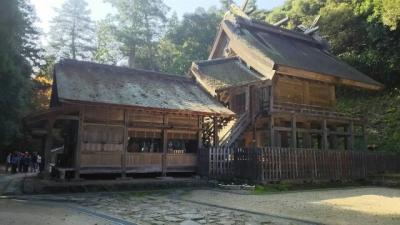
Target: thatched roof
97 83
270 48
221 73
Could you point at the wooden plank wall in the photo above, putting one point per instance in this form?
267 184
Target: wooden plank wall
276 164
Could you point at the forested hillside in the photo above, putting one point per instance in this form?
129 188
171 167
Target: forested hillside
147 34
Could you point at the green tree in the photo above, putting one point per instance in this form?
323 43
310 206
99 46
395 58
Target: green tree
138 24
72 31
18 53
108 48
188 40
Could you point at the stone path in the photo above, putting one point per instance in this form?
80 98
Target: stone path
165 207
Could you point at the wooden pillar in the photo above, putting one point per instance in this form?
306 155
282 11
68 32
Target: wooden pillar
200 133
79 143
351 136
294 132
271 98
216 130
48 145
272 131
325 143
334 139
165 145
307 135
125 144
253 114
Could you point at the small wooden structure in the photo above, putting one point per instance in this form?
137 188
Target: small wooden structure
281 84
111 119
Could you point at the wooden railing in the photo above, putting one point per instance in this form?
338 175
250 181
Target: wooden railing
275 164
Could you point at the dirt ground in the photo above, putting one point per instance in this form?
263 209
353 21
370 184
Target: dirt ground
366 206
14 212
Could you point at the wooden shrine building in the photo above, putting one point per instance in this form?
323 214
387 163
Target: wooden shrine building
281 84
108 119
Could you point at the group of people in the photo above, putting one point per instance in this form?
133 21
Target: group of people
23 162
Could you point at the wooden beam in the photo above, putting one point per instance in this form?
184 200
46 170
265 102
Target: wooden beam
79 143
67 117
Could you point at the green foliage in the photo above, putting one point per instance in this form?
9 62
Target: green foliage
72 31
382 111
188 40
18 52
108 48
138 25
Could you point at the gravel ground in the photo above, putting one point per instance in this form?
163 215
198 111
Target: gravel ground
364 206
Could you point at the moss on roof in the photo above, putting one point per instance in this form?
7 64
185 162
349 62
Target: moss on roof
97 83
219 73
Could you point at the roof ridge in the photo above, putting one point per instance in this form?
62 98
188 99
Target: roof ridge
216 61
255 24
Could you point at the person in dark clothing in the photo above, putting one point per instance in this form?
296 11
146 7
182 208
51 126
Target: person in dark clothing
14 162
33 165
20 157
26 160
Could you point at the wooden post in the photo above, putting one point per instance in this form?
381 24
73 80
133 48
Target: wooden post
351 136
216 137
334 139
325 143
200 133
165 145
253 114
47 146
271 98
125 144
79 143
307 136
272 131
294 132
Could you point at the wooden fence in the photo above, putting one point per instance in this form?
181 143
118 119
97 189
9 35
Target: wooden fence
275 164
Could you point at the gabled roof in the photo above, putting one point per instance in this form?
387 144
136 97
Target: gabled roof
268 47
225 72
97 83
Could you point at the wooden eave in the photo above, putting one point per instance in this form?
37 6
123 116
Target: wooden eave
147 109
257 82
254 59
197 73
286 70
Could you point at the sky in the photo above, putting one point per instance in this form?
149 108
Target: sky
99 9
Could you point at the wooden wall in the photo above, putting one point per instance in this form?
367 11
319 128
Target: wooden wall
103 136
307 92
